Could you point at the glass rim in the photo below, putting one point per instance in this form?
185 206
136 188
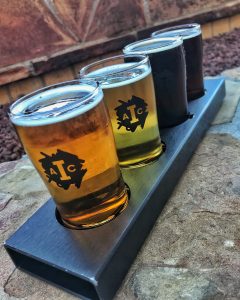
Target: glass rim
176 41
60 111
188 26
83 74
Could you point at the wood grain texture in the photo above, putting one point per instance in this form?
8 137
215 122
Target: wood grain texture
220 26
57 76
29 29
207 30
23 87
4 97
235 21
77 67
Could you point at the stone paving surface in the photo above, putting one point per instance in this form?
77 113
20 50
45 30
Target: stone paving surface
193 251
233 126
229 106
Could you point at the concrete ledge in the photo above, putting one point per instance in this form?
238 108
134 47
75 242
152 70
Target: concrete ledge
79 53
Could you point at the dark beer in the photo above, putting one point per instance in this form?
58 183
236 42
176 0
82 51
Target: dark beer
129 95
169 74
67 134
192 42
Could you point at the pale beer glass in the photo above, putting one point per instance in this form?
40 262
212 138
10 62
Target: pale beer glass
130 97
66 132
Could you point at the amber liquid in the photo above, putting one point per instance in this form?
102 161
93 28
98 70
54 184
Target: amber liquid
102 194
144 144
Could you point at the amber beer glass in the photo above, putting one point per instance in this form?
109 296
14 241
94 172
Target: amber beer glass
192 42
167 60
67 134
129 94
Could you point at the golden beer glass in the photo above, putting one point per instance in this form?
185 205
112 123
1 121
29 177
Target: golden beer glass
66 131
129 94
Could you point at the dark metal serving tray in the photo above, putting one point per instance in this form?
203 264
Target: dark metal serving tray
92 263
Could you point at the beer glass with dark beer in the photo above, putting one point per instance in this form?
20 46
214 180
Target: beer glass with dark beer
66 132
169 75
192 42
129 95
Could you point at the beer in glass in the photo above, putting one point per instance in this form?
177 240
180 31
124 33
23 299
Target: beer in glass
129 95
66 132
192 42
169 75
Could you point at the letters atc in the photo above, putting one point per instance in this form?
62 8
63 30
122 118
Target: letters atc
63 168
132 113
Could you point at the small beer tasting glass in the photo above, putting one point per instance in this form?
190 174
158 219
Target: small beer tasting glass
66 132
192 42
169 75
129 95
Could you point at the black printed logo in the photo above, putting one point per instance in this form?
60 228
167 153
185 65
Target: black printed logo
63 168
132 113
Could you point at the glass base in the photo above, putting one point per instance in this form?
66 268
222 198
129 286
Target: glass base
193 95
99 218
143 161
173 121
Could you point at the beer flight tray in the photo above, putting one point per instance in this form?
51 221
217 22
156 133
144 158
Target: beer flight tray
92 263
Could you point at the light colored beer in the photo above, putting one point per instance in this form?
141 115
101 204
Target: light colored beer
84 132
121 83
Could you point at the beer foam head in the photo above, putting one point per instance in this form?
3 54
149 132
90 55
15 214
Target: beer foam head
118 74
152 45
186 31
55 103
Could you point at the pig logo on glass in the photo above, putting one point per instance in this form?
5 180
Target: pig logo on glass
132 113
63 168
